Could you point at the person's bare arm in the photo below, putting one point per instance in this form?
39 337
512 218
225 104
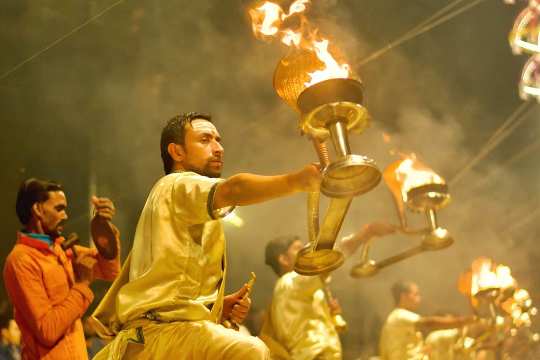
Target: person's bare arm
247 189
349 244
430 323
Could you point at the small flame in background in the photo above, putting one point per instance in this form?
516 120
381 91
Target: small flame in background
486 275
411 174
270 20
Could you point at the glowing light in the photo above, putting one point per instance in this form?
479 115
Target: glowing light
331 70
412 175
486 276
234 220
269 20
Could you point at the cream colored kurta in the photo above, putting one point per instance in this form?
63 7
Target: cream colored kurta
177 261
301 320
400 339
172 283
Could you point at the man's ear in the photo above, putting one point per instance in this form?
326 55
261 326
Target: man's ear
176 151
37 211
282 260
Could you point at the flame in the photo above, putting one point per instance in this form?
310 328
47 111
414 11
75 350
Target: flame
332 69
291 38
514 304
520 309
266 19
411 174
297 7
486 276
269 20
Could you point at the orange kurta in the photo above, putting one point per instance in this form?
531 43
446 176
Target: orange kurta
48 304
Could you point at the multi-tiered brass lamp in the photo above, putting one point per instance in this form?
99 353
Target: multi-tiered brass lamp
329 110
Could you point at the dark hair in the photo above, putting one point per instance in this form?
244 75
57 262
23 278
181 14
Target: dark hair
175 132
276 247
400 287
30 192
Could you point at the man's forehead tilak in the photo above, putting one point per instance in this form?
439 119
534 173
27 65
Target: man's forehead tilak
204 126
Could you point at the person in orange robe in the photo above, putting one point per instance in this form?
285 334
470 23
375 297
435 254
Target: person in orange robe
49 286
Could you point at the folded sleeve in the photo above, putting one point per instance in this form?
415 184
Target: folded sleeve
193 198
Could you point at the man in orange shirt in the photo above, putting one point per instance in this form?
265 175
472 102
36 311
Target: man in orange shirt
48 286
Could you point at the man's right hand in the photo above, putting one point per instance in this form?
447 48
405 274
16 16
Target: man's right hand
308 179
83 266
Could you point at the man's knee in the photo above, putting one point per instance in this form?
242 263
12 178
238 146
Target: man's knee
259 349
248 347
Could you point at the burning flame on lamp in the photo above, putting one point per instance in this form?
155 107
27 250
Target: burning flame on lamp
487 276
411 174
270 20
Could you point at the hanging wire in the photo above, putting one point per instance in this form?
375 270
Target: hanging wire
59 40
518 116
493 175
441 16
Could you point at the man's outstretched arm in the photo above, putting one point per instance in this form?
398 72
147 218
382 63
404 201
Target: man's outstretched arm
247 189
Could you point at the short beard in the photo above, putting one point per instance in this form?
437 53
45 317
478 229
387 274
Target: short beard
204 171
208 173
53 233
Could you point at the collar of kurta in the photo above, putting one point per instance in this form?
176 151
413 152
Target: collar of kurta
39 241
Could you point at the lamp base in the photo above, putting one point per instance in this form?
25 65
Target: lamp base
365 269
437 239
350 176
315 262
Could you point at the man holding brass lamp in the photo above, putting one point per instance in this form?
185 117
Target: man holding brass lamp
48 284
169 300
304 319
401 337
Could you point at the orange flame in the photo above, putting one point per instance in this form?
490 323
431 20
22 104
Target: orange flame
411 174
332 69
268 20
485 276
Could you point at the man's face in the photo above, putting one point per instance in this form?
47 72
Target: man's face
288 259
413 298
52 213
203 150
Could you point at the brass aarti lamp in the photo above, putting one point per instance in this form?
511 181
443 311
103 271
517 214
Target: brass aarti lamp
415 186
329 110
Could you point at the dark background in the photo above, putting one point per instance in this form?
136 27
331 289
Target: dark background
88 113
